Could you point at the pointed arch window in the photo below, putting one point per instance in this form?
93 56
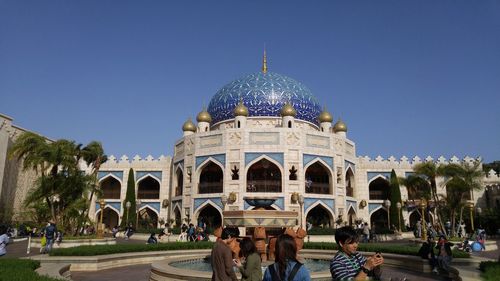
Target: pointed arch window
318 179
264 176
211 179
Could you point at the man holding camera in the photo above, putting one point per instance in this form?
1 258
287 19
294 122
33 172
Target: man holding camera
348 264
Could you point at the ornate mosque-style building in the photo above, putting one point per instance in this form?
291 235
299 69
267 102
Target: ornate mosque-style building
264 135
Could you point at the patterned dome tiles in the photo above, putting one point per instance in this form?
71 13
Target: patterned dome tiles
264 94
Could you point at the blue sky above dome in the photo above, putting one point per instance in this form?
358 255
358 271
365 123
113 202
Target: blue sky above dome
264 94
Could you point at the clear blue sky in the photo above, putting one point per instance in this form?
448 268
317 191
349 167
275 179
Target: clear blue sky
408 77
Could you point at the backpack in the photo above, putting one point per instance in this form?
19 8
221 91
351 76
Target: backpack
276 277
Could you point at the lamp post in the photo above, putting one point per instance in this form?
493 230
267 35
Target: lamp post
399 215
470 204
478 212
387 204
423 205
301 202
138 207
127 205
223 200
100 228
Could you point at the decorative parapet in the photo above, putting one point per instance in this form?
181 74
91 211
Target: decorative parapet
404 162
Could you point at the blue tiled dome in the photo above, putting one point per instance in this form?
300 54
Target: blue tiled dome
264 94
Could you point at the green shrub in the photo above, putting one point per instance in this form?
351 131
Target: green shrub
321 231
491 270
21 270
411 250
128 248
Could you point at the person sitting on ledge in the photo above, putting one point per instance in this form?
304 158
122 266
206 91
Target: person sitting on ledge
348 264
152 239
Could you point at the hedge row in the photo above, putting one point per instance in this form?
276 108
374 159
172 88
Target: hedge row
128 248
490 269
376 247
21 270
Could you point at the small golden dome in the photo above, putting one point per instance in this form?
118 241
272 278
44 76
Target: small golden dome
204 116
340 126
325 116
189 126
288 110
240 109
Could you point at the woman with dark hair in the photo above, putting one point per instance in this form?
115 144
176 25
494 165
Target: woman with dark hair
285 266
251 267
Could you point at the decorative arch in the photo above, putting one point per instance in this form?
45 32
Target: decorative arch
147 217
264 174
351 216
319 214
179 180
318 177
209 214
110 217
177 215
148 187
379 188
110 186
211 177
350 182
378 219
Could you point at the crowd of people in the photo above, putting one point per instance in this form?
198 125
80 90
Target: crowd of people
347 263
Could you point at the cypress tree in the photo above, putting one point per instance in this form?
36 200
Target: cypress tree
395 197
130 197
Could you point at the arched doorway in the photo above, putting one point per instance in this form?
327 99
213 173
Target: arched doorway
147 218
211 179
318 179
415 217
109 218
378 220
319 216
149 188
349 183
177 217
110 188
264 176
351 217
180 181
379 189
210 216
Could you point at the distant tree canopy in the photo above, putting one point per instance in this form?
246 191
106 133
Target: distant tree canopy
495 166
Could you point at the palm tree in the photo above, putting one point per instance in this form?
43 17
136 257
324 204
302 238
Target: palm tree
463 180
93 155
429 171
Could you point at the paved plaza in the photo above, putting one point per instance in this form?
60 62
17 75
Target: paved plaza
141 272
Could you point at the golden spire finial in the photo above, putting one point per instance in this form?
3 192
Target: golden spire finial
264 62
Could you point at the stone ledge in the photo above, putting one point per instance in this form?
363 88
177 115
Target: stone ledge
58 271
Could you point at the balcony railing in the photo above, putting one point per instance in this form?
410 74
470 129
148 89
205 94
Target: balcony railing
378 195
264 186
210 187
318 188
178 191
148 194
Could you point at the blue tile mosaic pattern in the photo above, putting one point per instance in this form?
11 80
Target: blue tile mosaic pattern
153 205
115 205
307 158
200 201
250 156
221 158
155 174
348 164
102 174
353 204
373 206
264 94
372 175
308 202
